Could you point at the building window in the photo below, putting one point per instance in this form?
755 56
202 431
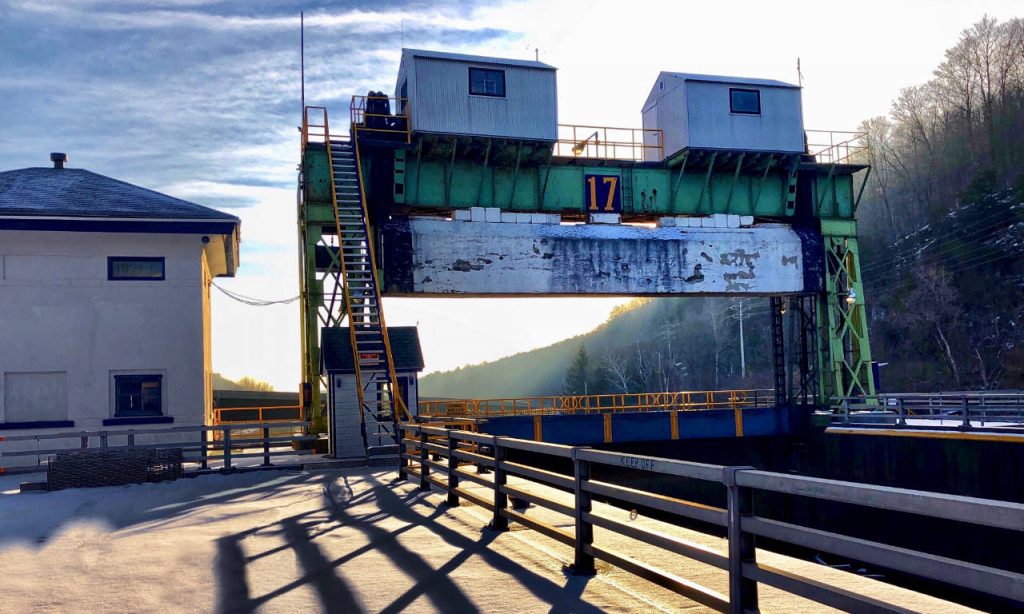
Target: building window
747 102
128 268
487 82
138 395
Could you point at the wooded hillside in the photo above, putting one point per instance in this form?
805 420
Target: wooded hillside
941 232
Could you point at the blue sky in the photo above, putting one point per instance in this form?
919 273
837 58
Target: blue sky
200 99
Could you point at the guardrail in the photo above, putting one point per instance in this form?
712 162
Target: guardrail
373 114
603 142
272 413
599 403
203 450
963 409
838 147
462 450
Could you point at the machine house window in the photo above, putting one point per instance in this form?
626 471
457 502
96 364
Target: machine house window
487 82
128 268
747 102
138 395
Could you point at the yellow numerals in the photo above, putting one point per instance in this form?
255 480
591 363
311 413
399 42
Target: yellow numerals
612 183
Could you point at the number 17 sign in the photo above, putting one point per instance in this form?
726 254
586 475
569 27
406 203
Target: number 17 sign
602 193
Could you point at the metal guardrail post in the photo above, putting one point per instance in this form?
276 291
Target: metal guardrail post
583 564
903 412
499 522
266 446
966 424
202 448
227 448
453 477
103 442
131 440
424 467
402 451
846 411
742 591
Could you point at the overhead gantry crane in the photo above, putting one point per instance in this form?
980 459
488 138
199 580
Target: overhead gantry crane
447 192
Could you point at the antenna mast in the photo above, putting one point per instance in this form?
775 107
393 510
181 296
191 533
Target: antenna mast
302 59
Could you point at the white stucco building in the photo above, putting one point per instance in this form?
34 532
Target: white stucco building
105 302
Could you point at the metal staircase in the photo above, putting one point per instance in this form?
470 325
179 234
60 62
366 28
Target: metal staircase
365 424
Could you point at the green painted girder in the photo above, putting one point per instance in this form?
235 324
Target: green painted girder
647 189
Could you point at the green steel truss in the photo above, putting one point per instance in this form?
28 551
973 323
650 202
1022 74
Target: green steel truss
843 316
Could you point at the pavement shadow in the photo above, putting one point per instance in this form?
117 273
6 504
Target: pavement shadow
35 518
436 585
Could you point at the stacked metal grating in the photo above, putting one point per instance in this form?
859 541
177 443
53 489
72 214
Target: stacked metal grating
113 468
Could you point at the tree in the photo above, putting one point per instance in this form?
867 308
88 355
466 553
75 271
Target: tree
933 306
616 366
253 384
577 376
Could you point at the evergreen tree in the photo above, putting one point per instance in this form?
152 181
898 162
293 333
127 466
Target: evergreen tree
577 377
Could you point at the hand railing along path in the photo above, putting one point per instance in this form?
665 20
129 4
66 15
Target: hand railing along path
966 409
201 445
444 459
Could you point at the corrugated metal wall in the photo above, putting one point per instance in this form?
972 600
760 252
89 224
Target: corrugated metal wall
696 114
779 127
439 90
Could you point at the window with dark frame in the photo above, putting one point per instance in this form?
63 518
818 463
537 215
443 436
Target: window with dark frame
744 101
121 268
487 82
138 395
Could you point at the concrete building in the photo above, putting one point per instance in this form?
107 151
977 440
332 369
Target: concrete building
337 363
735 113
472 95
105 302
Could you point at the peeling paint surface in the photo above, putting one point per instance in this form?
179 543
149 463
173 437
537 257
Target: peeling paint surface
482 258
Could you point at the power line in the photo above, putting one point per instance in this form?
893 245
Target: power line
939 242
253 302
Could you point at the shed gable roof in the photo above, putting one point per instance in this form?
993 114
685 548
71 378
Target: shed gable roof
682 77
336 349
474 59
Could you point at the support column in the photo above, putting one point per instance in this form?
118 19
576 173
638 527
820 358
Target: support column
843 318
776 311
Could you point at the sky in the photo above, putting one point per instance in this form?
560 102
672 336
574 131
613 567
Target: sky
200 99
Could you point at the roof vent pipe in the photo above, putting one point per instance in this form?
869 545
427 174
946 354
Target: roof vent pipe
58 159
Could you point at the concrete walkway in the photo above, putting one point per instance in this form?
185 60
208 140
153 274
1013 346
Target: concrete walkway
345 541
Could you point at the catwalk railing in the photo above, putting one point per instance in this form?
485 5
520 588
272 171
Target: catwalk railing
444 459
205 447
599 403
962 409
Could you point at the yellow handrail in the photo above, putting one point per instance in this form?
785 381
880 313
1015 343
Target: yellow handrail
402 115
599 403
396 395
606 142
219 413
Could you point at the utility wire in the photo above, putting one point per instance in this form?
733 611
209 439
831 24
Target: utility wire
951 238
253 302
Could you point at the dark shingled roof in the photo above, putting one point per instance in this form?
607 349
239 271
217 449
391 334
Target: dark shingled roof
336 349
75 192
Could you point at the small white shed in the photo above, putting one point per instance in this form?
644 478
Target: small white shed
713 112
452 93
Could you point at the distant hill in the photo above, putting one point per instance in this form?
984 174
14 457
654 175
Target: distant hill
222 383
654 344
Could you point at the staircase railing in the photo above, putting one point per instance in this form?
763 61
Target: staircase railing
396 396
